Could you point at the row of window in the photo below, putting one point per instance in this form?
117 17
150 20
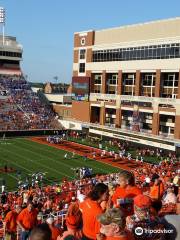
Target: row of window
169 85
10 54
146 79
138 53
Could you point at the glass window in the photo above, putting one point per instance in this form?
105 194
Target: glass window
82 67
82 53
97 79
138 53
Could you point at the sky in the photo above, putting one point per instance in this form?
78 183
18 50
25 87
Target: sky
46 28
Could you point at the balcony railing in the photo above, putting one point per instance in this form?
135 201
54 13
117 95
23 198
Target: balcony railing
108 97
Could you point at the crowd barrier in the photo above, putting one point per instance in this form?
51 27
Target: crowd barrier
29 133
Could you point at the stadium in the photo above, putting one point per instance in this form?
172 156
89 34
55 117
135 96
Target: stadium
106 155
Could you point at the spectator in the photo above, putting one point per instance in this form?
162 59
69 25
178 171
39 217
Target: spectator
157 190
170 196
91 209
73 231
10 224
26 220
41 232
143 219
55 232
113 225
124 194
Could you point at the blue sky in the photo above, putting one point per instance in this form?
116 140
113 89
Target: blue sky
45 28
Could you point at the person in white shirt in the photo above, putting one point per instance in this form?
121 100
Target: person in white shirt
170 197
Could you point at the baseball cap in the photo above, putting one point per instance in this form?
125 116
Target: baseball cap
142 201
112 215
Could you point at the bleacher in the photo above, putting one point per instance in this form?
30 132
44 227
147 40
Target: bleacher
22 109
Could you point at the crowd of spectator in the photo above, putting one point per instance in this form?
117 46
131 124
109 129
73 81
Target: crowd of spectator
115 206
22 108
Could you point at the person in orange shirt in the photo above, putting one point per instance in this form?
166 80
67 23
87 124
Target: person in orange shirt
124 194
10 224
26 220
113 225
91 208
157 190
73 229
55 232
73 222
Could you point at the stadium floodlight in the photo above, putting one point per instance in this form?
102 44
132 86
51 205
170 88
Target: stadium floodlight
2 19
2 15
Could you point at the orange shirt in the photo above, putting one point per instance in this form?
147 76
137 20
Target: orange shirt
55 232
28 219
10 221
156 191
90 210
128 192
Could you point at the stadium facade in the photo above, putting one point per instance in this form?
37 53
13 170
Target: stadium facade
126 82
10 56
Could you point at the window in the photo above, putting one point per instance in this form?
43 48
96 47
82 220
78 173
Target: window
148 84
97 79
82 67
82 54
138 53
128 83
169 85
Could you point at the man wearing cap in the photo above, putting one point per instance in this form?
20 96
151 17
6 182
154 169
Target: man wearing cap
113 225
10 225
143 219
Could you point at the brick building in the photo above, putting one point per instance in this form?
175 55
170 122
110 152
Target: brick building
128 79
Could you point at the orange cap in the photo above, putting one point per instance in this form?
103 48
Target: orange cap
142 201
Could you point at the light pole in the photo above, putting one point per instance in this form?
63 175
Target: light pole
2 20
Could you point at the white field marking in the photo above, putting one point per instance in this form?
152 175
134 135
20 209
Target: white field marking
74 160
45 150
20 166
38 163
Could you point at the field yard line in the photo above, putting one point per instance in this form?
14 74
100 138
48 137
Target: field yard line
12 176
61 163
16 164
73 160
38 163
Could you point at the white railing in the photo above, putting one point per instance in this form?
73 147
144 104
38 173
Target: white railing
102 97
87 124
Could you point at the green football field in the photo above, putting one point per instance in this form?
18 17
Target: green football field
28 157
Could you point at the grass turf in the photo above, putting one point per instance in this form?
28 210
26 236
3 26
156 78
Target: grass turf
30 157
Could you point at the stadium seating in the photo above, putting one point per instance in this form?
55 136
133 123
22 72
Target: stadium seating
21 108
